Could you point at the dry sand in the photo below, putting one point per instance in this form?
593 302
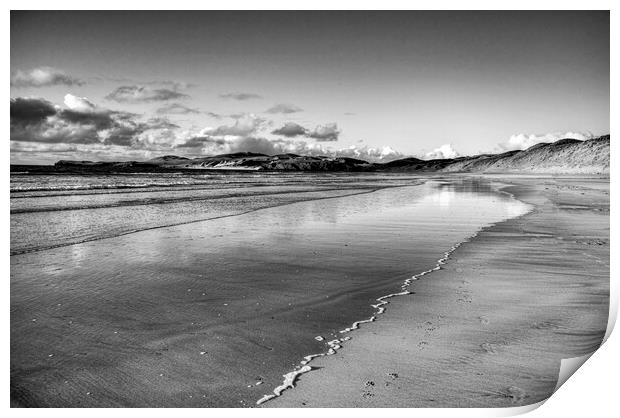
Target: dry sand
490 328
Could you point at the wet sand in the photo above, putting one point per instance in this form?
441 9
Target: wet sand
213 313
490 328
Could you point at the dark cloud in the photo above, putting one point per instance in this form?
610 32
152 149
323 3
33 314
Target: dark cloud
291 129
177 109
240 96
100 120
144 94
327 132
284 108
38 120
201 141
322 133
43 77
30 111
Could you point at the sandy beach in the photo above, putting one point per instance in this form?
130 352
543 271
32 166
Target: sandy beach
132 321
490 328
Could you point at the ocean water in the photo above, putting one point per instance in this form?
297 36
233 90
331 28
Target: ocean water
55 210
194 312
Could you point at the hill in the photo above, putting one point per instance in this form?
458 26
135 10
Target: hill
569 156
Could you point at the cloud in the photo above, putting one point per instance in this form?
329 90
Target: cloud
290 129
327 132
40 147
161 123
245 125
144 94
284 108
240 96
82 129
524 141
173 84
208 145
38 120
80 104
443 152
177 109
43 77
378 154
27 111
322 133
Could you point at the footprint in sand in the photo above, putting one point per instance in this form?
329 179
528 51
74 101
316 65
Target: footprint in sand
483 320
369 384
488 348
392 376
515 393
429 327
464 299
463 295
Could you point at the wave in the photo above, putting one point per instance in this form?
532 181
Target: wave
165 201
113 234
112 186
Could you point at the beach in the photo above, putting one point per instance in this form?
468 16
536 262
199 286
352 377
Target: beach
490 328
213 313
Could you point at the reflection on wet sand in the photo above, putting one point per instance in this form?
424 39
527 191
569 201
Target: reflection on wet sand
211 308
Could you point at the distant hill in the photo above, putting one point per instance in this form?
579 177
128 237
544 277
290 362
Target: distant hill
238 161
568 156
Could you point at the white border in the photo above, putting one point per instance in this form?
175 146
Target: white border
590 393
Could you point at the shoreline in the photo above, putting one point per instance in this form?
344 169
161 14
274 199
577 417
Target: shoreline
290 378
322 388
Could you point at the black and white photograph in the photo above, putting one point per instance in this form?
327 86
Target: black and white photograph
306 208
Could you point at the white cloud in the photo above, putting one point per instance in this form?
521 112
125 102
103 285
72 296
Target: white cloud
379 154
79 104
444 151
524 141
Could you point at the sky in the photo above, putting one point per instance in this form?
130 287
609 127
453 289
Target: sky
372 85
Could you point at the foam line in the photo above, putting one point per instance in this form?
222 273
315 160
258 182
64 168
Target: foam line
335 345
